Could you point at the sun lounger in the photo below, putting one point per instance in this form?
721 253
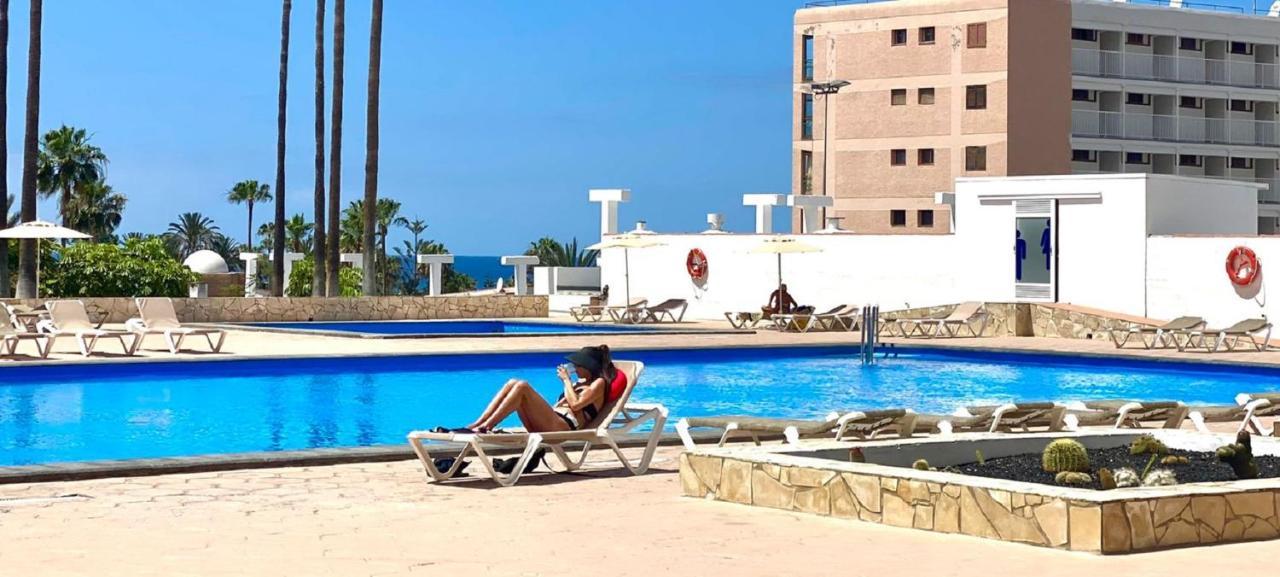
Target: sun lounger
68 318
1257 405
965 316
994 418
615 420
670 309
856 424
17 331
1157 336
745 320
631 313
588 313
157 317
1120 414
1229 337
842 317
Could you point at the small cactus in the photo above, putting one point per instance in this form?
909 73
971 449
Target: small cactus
1106 480
1065 455
978 453
1072 478
1126 478
921 465
1159 478
1170 460
1147 445
1240 456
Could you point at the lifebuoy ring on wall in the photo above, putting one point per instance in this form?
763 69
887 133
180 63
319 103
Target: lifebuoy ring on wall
1242 266
696 264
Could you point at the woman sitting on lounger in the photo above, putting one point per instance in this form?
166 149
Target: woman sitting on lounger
595 382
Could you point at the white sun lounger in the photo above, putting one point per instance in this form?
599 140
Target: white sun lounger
1008 417
1120 414
68 318
158 317
855 424
17 332
615 420
1158 336
965 316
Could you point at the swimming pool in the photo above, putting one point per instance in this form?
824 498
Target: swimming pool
475 328
78 412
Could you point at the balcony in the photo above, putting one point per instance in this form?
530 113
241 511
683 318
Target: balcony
1168 68
1095 124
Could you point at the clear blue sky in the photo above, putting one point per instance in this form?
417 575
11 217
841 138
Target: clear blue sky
497 116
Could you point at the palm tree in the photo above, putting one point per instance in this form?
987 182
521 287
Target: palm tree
192 232
4 142
278 281
228 249
318 276
249 192
416 227
371 144
27 252
266 235
335 146
351 237
551 252
66 162
298 233
96 210
388 212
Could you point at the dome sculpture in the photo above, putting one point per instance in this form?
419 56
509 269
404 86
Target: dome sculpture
206 262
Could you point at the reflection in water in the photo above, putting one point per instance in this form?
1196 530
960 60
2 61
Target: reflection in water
366 414
275 415
322 396
24 419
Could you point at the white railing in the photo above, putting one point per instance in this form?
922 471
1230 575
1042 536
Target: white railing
1134 126
1168 67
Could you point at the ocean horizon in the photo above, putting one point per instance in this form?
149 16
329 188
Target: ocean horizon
486 270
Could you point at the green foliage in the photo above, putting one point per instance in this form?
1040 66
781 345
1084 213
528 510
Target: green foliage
1175 460
65 164
1072 478
1106 480
1126 478
139 268
96 210
920 465
249 193
301 276
1160 478
551 252
1150 462
1240 456
192 232
1147 445
1065 455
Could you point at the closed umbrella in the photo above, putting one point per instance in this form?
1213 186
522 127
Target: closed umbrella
38 229
781 245
626 242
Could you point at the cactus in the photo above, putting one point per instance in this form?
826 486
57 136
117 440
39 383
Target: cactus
1147 445
1106 480
921 465
1240 456
1159 477
1126 478
978 453
1072 478
1175 460
1065 455
1147 469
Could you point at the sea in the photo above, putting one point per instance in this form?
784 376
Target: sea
486 270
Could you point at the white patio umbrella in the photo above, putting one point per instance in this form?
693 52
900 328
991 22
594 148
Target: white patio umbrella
781 245
38 229
626 242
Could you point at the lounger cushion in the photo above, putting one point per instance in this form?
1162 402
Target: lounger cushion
764 425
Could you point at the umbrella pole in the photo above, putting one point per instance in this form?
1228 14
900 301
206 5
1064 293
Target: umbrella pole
626 275
779 281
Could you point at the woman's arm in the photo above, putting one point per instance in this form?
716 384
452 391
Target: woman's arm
584 397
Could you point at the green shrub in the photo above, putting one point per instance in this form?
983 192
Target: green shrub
300 278
139 268
1065 455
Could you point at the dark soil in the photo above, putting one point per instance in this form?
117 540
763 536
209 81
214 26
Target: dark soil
1204 467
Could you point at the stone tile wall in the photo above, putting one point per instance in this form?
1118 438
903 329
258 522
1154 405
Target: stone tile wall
241 309
1079 525
1033 320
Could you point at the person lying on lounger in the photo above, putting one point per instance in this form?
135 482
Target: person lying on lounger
780 302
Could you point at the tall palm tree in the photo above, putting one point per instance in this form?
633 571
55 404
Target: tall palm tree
266 235
27 248
335 147
351 237
318 276
416 227
66 162
371 145
5 197
192 232
249 192
96 210
278 281
298 233
228 249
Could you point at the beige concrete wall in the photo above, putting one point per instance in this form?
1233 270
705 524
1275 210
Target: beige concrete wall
1039 103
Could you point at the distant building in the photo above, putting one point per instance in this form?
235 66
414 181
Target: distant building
941 89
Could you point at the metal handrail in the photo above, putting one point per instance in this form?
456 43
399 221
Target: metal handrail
1171 128
1174 68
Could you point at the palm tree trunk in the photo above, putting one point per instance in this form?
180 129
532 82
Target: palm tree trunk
371 151
4 144
318 279
248 239
27 249
278 282
335 149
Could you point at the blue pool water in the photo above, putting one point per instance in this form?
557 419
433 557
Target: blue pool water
115 411
479 327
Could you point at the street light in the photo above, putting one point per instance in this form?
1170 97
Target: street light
825 90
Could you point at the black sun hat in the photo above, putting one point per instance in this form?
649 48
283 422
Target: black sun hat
590 358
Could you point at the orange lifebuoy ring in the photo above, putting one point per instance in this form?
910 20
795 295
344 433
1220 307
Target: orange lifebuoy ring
1242 266
696 264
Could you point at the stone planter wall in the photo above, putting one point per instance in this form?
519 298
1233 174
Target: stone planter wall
1036 320
241 309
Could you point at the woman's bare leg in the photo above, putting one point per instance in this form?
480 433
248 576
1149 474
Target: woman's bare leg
493 405
535 413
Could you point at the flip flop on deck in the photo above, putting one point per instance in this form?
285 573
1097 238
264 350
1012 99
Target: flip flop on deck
856 424
1122 413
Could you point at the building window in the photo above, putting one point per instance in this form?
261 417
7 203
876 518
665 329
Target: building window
899 37
898 96
1241 105
1084 34
806 58
975 97
975 158
924 218
1242 163
1190 160
1136 39
1082 95
806 172
806 117
1137 99
1137 158
927 34
1189 44
976 36
1191 102
898 157
897 218
925 96
1078 155
924 156
1242 48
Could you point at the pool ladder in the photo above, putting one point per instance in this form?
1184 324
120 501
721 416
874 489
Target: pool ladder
870 332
